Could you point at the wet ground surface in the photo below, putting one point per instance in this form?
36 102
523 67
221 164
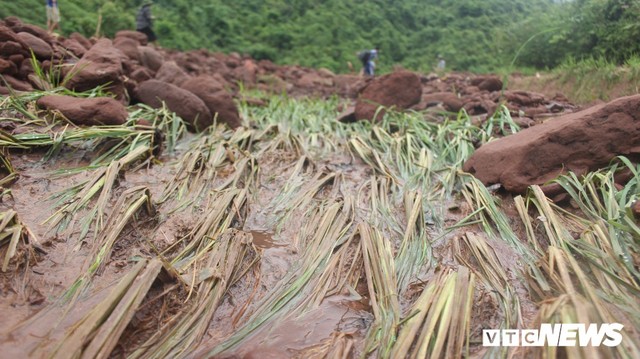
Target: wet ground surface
284 221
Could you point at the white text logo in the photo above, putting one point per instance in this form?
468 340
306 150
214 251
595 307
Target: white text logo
556 335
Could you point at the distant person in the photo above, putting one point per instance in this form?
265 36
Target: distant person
441 63
144 21
53 15
367 57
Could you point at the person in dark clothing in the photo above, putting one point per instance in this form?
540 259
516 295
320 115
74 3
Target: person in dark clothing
367 57
144 21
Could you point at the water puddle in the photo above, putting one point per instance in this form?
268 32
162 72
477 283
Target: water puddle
264 239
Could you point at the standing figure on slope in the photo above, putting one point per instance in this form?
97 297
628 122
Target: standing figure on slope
144 21
441 64
367 57
53 15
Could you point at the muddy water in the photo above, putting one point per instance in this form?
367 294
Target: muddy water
264 240
293 336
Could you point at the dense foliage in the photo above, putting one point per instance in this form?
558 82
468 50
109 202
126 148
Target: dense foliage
583 29
474 35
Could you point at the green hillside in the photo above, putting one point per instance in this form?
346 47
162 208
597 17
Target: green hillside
472 35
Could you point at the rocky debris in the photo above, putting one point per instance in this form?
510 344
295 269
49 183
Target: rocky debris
450 101
86 111
247 73
217 100
487 83
400 90
126 62
580 142
184 103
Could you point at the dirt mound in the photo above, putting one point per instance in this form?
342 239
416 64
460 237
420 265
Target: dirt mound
580 142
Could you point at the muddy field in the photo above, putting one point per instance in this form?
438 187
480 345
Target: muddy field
296 236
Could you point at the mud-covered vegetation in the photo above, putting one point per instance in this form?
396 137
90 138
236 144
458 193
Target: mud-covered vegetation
296 236
541 33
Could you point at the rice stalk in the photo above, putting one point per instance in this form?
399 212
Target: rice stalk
196 169
123 211
594 247
226 258
324 231
382 211
492 272
164 121
98 332
441 319
223 207
7 167
371 157
493 219
339 346
414 253
12 231
297 193
580 302
341 273
383 292
102 181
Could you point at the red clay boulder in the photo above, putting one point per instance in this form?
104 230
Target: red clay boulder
138 37
6 34
171 73
580 142
150 58
141 74
185 104
102 64
86 111
487 83
40 48
7 67
81 40
33 30
401 90
449 101
247 73
128 47
16 84
217 100
75 47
